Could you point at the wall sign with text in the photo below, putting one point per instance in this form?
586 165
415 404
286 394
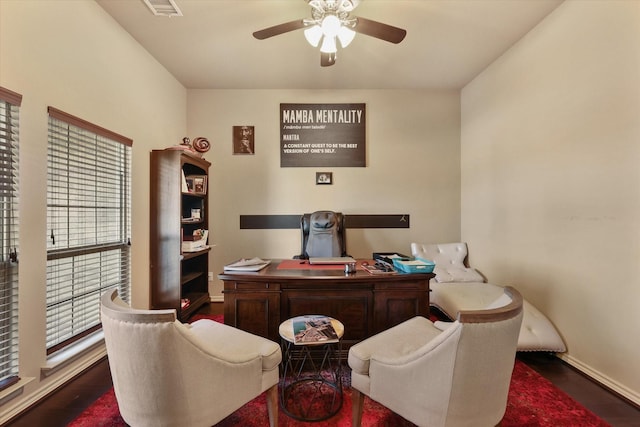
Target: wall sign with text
322 135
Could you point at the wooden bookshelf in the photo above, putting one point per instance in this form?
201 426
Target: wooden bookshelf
176 211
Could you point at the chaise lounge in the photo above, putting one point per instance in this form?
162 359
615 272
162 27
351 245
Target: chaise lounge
458 287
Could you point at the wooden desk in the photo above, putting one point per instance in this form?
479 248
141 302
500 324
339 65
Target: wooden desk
366 304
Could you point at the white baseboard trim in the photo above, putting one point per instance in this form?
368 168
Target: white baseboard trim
601 378
21 404
217 298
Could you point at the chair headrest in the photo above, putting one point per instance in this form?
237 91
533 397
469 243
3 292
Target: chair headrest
323 219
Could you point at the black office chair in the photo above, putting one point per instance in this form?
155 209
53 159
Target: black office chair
323 235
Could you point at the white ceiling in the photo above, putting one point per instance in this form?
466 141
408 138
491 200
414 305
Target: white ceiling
448 42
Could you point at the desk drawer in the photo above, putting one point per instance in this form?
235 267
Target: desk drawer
250 286
398 286
253 307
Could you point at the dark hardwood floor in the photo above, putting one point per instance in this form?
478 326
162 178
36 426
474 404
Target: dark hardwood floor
70 400
609 406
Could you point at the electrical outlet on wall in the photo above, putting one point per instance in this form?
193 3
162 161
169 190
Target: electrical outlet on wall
210 276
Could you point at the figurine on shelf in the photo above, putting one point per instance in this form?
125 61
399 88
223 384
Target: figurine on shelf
185 145
199 146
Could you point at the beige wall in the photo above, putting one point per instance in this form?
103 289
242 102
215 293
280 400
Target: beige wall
551 180
412 168
550 143
73 56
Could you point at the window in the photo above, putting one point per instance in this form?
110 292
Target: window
88 224
9 106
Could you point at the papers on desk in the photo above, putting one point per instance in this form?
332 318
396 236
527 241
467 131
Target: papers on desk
243 264
378 268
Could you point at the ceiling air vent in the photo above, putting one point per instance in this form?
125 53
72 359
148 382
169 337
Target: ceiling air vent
163 7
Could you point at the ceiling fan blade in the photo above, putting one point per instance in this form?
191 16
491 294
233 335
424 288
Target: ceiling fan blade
379 30
327 59
279 29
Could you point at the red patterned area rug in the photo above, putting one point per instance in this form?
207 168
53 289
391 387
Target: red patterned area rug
533 402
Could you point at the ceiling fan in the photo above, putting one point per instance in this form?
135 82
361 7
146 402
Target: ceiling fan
331 20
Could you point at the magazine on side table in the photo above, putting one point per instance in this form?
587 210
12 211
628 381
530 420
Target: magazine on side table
313 329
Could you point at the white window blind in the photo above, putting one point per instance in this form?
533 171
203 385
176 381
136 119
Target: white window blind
9 120
88 224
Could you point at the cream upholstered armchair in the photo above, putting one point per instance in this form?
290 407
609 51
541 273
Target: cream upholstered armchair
166 373
458 376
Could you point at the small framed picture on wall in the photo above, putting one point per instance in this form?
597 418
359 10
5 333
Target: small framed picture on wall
243 140
324 178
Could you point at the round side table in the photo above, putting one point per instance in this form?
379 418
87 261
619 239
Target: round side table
311 383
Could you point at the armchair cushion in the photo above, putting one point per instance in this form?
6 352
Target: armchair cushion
412 334
233 344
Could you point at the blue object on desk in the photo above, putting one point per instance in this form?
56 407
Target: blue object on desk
417 265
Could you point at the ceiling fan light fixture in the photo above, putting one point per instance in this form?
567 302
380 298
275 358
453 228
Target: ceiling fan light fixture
328 45
317 4
346 35
347 5
313 35
330 25
330 21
